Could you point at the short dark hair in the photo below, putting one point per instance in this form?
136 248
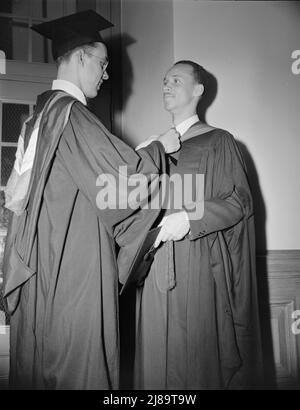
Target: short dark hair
66 57
198 71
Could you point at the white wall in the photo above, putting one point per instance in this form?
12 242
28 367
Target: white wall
247 46
149 24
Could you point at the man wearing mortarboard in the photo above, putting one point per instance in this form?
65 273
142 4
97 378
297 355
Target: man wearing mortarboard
60 270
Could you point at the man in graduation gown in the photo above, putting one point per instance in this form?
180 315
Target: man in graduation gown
60 269
197 313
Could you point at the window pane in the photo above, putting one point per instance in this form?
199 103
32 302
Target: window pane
85 5
38 8
13 116
7 163
6 36
20 40
20 7
5 6
49 53
14 38
38 42
4 219
41 48
55 8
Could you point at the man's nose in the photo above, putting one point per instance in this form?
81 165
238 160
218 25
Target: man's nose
166 88
105 75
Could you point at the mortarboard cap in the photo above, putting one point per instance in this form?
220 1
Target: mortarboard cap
73 31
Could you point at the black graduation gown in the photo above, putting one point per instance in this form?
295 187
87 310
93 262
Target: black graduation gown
204 333
60 270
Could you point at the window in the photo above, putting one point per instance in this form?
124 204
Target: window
16 16
12 116
16 39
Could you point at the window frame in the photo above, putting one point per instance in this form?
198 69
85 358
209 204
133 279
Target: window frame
68 7
10 144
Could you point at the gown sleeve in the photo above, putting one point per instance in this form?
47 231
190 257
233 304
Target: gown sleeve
113 176
229 199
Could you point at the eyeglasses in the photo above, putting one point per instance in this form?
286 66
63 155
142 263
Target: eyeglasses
103 64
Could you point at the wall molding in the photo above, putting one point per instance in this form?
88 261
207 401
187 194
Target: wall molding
279 263
31 72
278 274
281 260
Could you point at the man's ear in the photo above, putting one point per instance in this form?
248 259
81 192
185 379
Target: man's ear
80 56
198 90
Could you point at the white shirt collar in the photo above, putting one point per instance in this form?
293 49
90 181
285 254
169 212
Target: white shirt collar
69 88
186 124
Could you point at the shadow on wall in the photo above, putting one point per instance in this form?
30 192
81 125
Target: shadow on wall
211 89
261 268
114 93
122 78
127 71
124 85
209 95
259 204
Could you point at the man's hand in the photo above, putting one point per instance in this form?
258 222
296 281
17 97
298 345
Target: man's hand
173 228
147 142
170 140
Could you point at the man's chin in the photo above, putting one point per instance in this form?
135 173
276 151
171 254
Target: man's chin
168 107
92 94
